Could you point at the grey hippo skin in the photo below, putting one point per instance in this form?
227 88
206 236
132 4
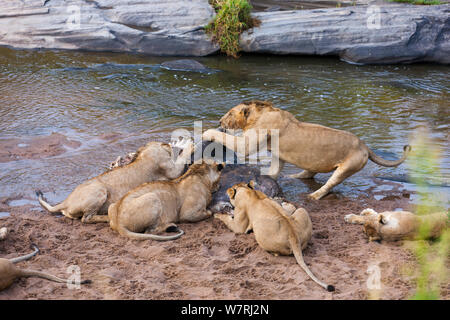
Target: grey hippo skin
235 173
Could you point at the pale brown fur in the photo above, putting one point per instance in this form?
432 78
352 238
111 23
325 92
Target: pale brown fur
398 225
276 230
9 272
90 200
156 206
312 147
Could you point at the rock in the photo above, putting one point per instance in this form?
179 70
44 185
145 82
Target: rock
170 27
185 65
406 33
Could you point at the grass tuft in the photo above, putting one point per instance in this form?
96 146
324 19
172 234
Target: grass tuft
233 17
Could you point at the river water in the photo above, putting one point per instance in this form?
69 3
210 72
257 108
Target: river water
131 99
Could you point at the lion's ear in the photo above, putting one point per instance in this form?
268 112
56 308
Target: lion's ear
251 184
381 219
246 111
231 193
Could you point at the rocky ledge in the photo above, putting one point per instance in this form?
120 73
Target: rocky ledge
387 33
390 33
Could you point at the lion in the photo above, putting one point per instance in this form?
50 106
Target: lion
90 200
280 230
399 225
156 206
9 272
311 147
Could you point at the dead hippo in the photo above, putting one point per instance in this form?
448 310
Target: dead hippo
234 173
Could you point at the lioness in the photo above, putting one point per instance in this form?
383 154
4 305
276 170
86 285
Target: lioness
277 229
398 225
156 206
9 272
91 199
312 147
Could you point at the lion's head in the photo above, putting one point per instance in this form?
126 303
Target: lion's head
244 114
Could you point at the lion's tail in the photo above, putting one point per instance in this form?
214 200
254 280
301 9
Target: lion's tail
295 244
388 163
27 256
145 236
39 274
47 206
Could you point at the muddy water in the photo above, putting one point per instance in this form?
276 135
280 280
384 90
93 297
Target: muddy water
113 103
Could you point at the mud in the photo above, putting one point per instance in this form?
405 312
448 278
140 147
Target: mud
209 261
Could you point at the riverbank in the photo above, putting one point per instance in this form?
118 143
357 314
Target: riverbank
387 33
209 261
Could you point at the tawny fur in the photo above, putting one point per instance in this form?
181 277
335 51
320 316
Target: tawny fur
399 225
276 230
9 272
90 200
156 206
312 147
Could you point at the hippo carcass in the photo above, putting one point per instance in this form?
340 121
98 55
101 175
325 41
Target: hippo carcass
234 173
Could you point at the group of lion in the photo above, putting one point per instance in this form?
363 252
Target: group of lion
150 195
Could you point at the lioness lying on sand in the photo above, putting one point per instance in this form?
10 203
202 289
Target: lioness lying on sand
9 272
276 229
156 206
90 200
398 225
312 147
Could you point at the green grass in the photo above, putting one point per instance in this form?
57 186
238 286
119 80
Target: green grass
431 256
233 17
419 2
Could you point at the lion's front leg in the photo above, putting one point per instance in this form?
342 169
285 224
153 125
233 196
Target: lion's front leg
245 145
355 219
238 223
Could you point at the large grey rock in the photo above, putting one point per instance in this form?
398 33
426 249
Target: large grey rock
406 33
169 27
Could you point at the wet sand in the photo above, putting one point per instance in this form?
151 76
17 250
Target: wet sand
209 261
35 147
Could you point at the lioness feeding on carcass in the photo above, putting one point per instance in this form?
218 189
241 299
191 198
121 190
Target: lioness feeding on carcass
398 225
90 200
156 206
278 229
312 147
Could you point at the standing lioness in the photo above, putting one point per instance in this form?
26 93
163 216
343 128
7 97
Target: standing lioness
153 162
156 206
277 229
312 147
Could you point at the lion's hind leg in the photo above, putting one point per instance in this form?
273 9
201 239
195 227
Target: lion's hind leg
305 174
90 204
